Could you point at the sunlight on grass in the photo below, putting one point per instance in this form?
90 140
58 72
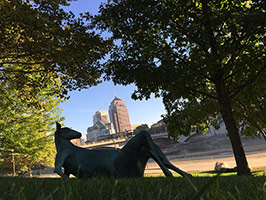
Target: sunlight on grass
203 185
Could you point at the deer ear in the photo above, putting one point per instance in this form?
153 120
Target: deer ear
58 126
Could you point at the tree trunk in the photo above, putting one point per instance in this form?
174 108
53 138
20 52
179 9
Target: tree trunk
227 113
30 172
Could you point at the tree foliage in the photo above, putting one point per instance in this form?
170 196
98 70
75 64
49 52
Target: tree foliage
158 128
250 110
202 56
27 130
142 127
39 37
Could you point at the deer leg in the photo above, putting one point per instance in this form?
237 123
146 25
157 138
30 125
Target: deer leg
67 173
59 161
132 159
153 150
168 163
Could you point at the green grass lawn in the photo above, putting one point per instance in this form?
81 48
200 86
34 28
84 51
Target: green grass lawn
203 186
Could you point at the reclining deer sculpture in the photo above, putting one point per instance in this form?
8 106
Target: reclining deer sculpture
128 162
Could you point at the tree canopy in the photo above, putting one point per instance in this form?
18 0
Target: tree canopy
27 130
142 127
39 39
202 56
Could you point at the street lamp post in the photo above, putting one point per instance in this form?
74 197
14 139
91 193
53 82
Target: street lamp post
13 162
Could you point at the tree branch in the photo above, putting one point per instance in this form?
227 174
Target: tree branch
200 92
256 116
24 63
196 41
211 37
181 59
251 120
247 83
235 55
18 55
28 71
192 37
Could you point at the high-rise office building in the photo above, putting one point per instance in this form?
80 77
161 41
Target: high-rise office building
119 116
100 116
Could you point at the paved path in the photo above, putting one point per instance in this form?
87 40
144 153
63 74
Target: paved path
208 163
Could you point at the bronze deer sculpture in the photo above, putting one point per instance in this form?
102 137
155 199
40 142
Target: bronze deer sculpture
128 162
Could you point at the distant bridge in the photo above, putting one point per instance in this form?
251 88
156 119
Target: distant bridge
111 143
117 143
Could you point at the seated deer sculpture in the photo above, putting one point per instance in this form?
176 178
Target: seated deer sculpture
128 162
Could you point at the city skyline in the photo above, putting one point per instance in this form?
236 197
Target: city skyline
119 121
82 105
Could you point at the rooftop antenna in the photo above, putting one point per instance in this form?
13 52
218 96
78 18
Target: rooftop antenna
114 91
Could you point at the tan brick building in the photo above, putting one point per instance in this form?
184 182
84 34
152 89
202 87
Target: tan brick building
100 115
118 115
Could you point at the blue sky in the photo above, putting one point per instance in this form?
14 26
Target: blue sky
81 106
